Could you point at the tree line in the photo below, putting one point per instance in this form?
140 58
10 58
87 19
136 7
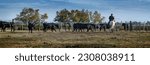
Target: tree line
83 16
64 15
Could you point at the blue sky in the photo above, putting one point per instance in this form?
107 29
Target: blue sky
123 10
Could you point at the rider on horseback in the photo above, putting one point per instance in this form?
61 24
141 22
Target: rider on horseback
111 23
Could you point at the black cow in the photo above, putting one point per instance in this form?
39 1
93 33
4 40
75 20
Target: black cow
4 25
103 26
12 24
51 26
126 26
31 26
81 27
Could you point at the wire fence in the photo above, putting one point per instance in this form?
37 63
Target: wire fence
133 26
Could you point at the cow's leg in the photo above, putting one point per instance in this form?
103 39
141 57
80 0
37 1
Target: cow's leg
31 30
69 28
76 30
59 30
11 29
65 28
50 29
100 28
1 30
104 28
55 30
14 29
91 30
73 30
81 30
45 30
87 30
4 29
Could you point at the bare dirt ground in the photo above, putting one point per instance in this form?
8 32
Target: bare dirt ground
23 39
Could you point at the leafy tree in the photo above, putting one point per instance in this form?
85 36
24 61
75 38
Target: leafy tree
31 15
62 16
84 16
96 17
80 16
44 17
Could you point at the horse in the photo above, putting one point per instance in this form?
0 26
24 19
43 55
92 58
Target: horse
111 25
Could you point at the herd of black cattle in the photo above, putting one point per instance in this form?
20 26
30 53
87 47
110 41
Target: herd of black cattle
4 25
76 27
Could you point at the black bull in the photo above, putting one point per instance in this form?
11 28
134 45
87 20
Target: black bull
81 27
89 27
51 26
31 26
4 25
76 27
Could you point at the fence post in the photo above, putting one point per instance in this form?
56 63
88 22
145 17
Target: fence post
126 26
136 26
148 26
105 26
139 26
121 26
144 26
130 25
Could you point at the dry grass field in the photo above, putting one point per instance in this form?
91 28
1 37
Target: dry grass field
23 39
